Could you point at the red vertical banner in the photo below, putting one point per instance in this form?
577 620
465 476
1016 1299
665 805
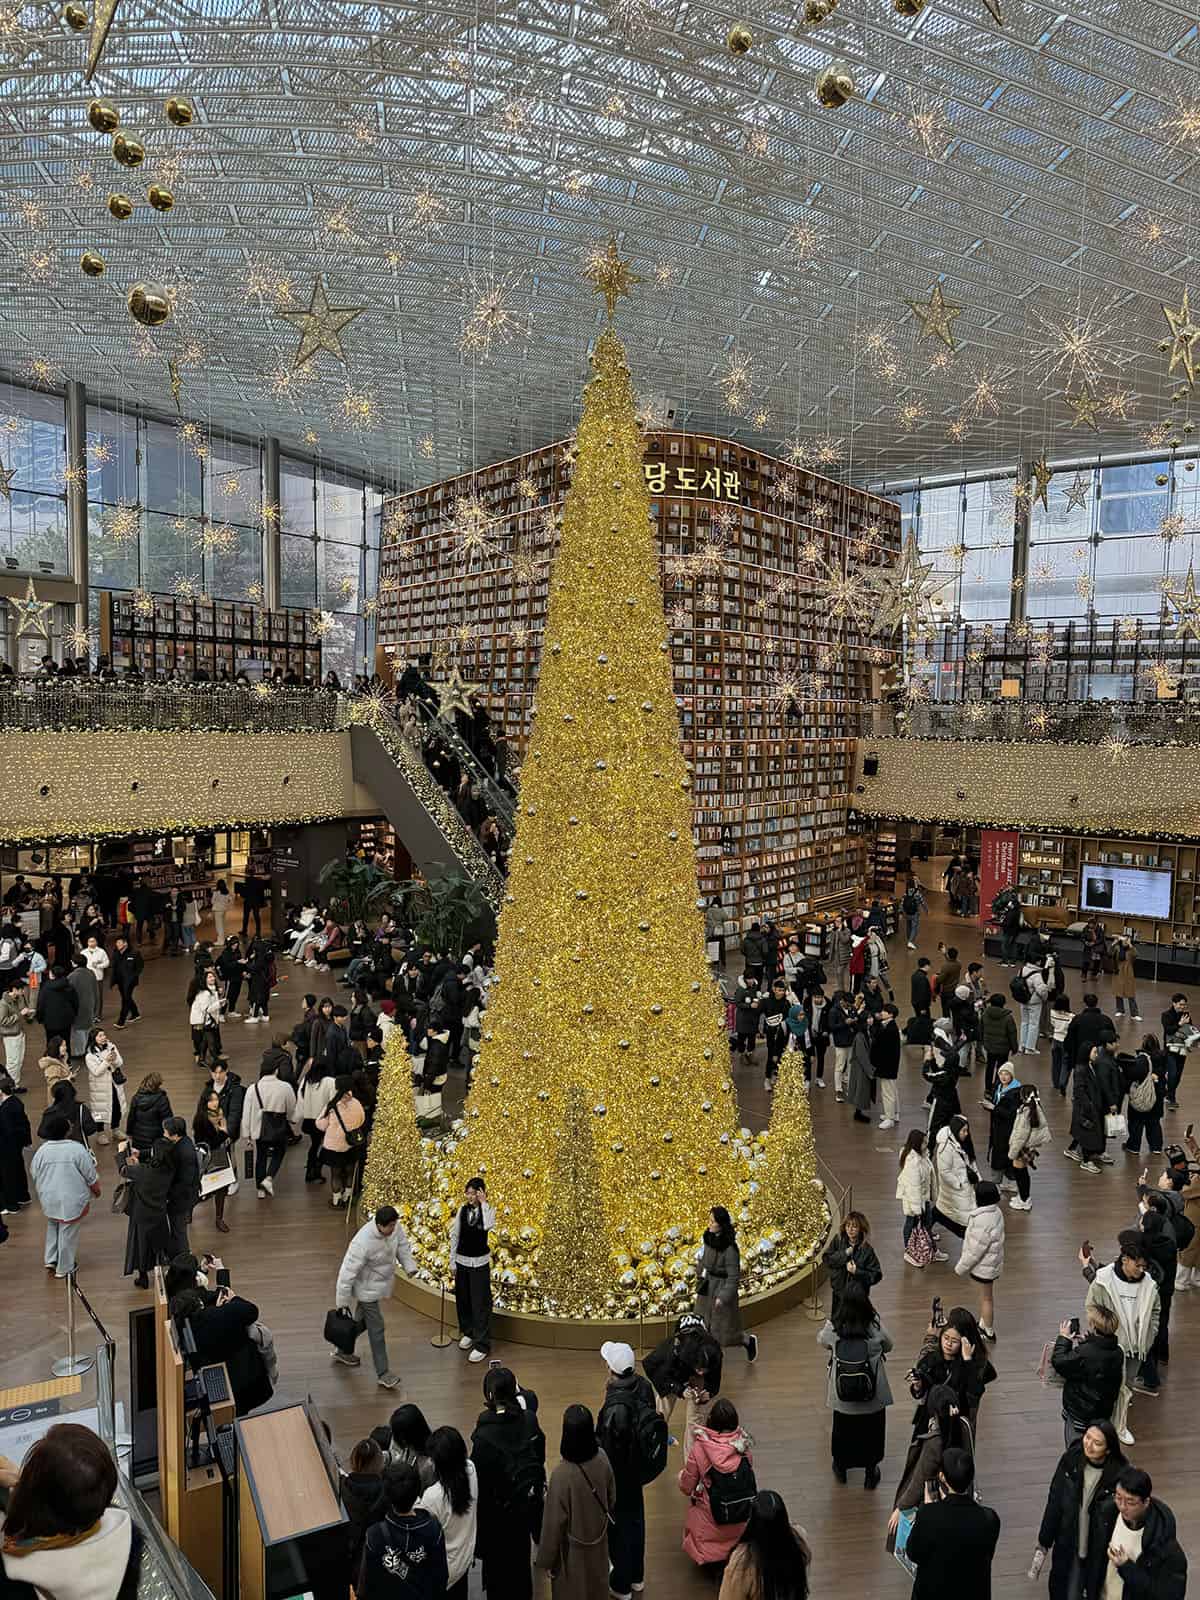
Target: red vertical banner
998 848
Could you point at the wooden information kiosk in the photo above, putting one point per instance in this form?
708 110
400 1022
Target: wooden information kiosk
293 1534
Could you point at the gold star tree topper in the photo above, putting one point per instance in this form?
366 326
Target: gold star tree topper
1185 603
1184 334
610 276
32 614
935 316
455 694
320 326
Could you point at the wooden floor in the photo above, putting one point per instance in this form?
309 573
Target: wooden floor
284 1254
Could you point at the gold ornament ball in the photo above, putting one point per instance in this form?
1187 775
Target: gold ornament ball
818 11
908 8
179 111
1161 480
128 151
148 304
104 116
91 264
834 85
161 199
739 39
75 17
121 206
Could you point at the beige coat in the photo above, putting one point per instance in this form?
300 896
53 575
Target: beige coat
1124 982
574 1543
740 1582
1191 1209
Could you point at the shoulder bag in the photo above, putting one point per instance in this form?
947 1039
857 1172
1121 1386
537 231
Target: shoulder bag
355 1137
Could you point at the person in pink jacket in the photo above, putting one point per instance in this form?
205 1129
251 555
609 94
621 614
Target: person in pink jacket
342 1145
724 1447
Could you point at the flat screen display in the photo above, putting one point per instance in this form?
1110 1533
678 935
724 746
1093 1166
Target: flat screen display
1125 891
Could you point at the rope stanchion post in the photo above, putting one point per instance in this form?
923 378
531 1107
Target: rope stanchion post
71 1365
441 1338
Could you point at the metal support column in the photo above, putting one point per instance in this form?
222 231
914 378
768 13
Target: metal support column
77 515
271 550
1020 555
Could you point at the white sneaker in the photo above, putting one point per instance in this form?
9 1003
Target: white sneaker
261 1193
465 1342
233 1187
911 946
908 1261
231 1016
477 1355
1125 1436
1017 1204
269 1185
886 1123
820 1083
940 1255
768 1085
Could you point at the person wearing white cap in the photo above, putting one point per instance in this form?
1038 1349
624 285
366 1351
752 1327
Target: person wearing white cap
627 1426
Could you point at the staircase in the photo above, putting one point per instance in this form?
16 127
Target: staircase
416 805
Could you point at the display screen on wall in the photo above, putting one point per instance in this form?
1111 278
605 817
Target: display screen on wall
1125 890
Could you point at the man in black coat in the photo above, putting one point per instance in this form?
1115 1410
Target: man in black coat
1136 1536
57 1006
1087 1115
953 1539
231 1092
126 970
1092 1371
921 991
184 1193
1087 1028
885 1058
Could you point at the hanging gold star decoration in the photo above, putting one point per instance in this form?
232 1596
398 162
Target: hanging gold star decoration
610 276
1041 484
7 474
320 326
908 592
31 613
1115 748
935 316
1184 334
1185 602
102 18
1077 494
1083 408
455 694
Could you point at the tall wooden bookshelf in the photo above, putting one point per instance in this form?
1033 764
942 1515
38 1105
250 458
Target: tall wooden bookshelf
215 636
772 784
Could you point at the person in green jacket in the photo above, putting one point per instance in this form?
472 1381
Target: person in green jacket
998 1036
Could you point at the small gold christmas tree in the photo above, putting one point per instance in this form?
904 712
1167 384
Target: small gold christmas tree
575 1267
789 1209
396 1173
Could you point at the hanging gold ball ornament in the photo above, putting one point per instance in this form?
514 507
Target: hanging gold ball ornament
739 39
121 206
818 11
148 304
908 8
75 17
179 112
91 264
834 85
128 151
161 199
104 116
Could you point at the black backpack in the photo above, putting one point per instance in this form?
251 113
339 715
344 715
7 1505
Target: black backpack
854 1374
1018 987
1185 1230
525 1485
910 904
731 1494
648 1429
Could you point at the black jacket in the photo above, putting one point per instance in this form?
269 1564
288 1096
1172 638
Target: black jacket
746 1009
921 990
635 1394
953 1542
1159 1573
404 1558
57 1006
1059 1532
126 968
282 1060
148 1110
840 1019
501 1441
1091 1372
77 1112
362 1496
221 1335
838 1257
233 1098
1087 1027
1087 1109
1004 1114
185 1178
885 1050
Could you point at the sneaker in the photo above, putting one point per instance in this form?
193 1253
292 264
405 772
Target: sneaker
347 1360
465 1342
1089 1166
1017 1204
1140 1386
886 1123
940 1255
1073 1155
1172 1105
617 1595
261 1192
637 1587
909 1262
1007 1186
820 1083
840 1098
390 1380
477 1355
1136 1015
1125 1436
768 1085
269 1185
751 1347
249 1020
1106 1160
911 946
230 1015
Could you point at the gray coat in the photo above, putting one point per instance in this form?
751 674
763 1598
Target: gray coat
721 1269
860 1080
87 993
879 1342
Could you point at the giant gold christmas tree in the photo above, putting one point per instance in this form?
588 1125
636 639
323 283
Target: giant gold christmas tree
604 1006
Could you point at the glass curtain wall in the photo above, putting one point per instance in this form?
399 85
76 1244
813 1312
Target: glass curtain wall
329 556
33 514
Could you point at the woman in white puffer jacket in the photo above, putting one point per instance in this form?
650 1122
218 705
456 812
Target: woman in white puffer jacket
983 1253
914 1190
106 1096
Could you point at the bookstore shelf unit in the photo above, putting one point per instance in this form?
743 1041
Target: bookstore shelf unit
213 636
1049 868
772 777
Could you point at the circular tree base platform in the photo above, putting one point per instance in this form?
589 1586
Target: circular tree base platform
563 1333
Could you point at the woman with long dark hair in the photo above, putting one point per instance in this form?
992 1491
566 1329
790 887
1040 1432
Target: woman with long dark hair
344 1134
581 1501
953 1353
1030 1133
209 1128
944 1430
410 1435
771 1560
717 1280
453 1498
362 1493
859 1392
1083 1484
954 1165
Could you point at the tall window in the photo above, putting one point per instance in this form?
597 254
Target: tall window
33 516
330 556
967 530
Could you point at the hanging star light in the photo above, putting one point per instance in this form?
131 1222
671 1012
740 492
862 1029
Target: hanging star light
32 615
1083 408
610 276
1077 494
1184 334
455 694
320 326
143 603
1171 528
908 592
1185 603
935 316
843 597
1042 476
1115 748
7 474
103 13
